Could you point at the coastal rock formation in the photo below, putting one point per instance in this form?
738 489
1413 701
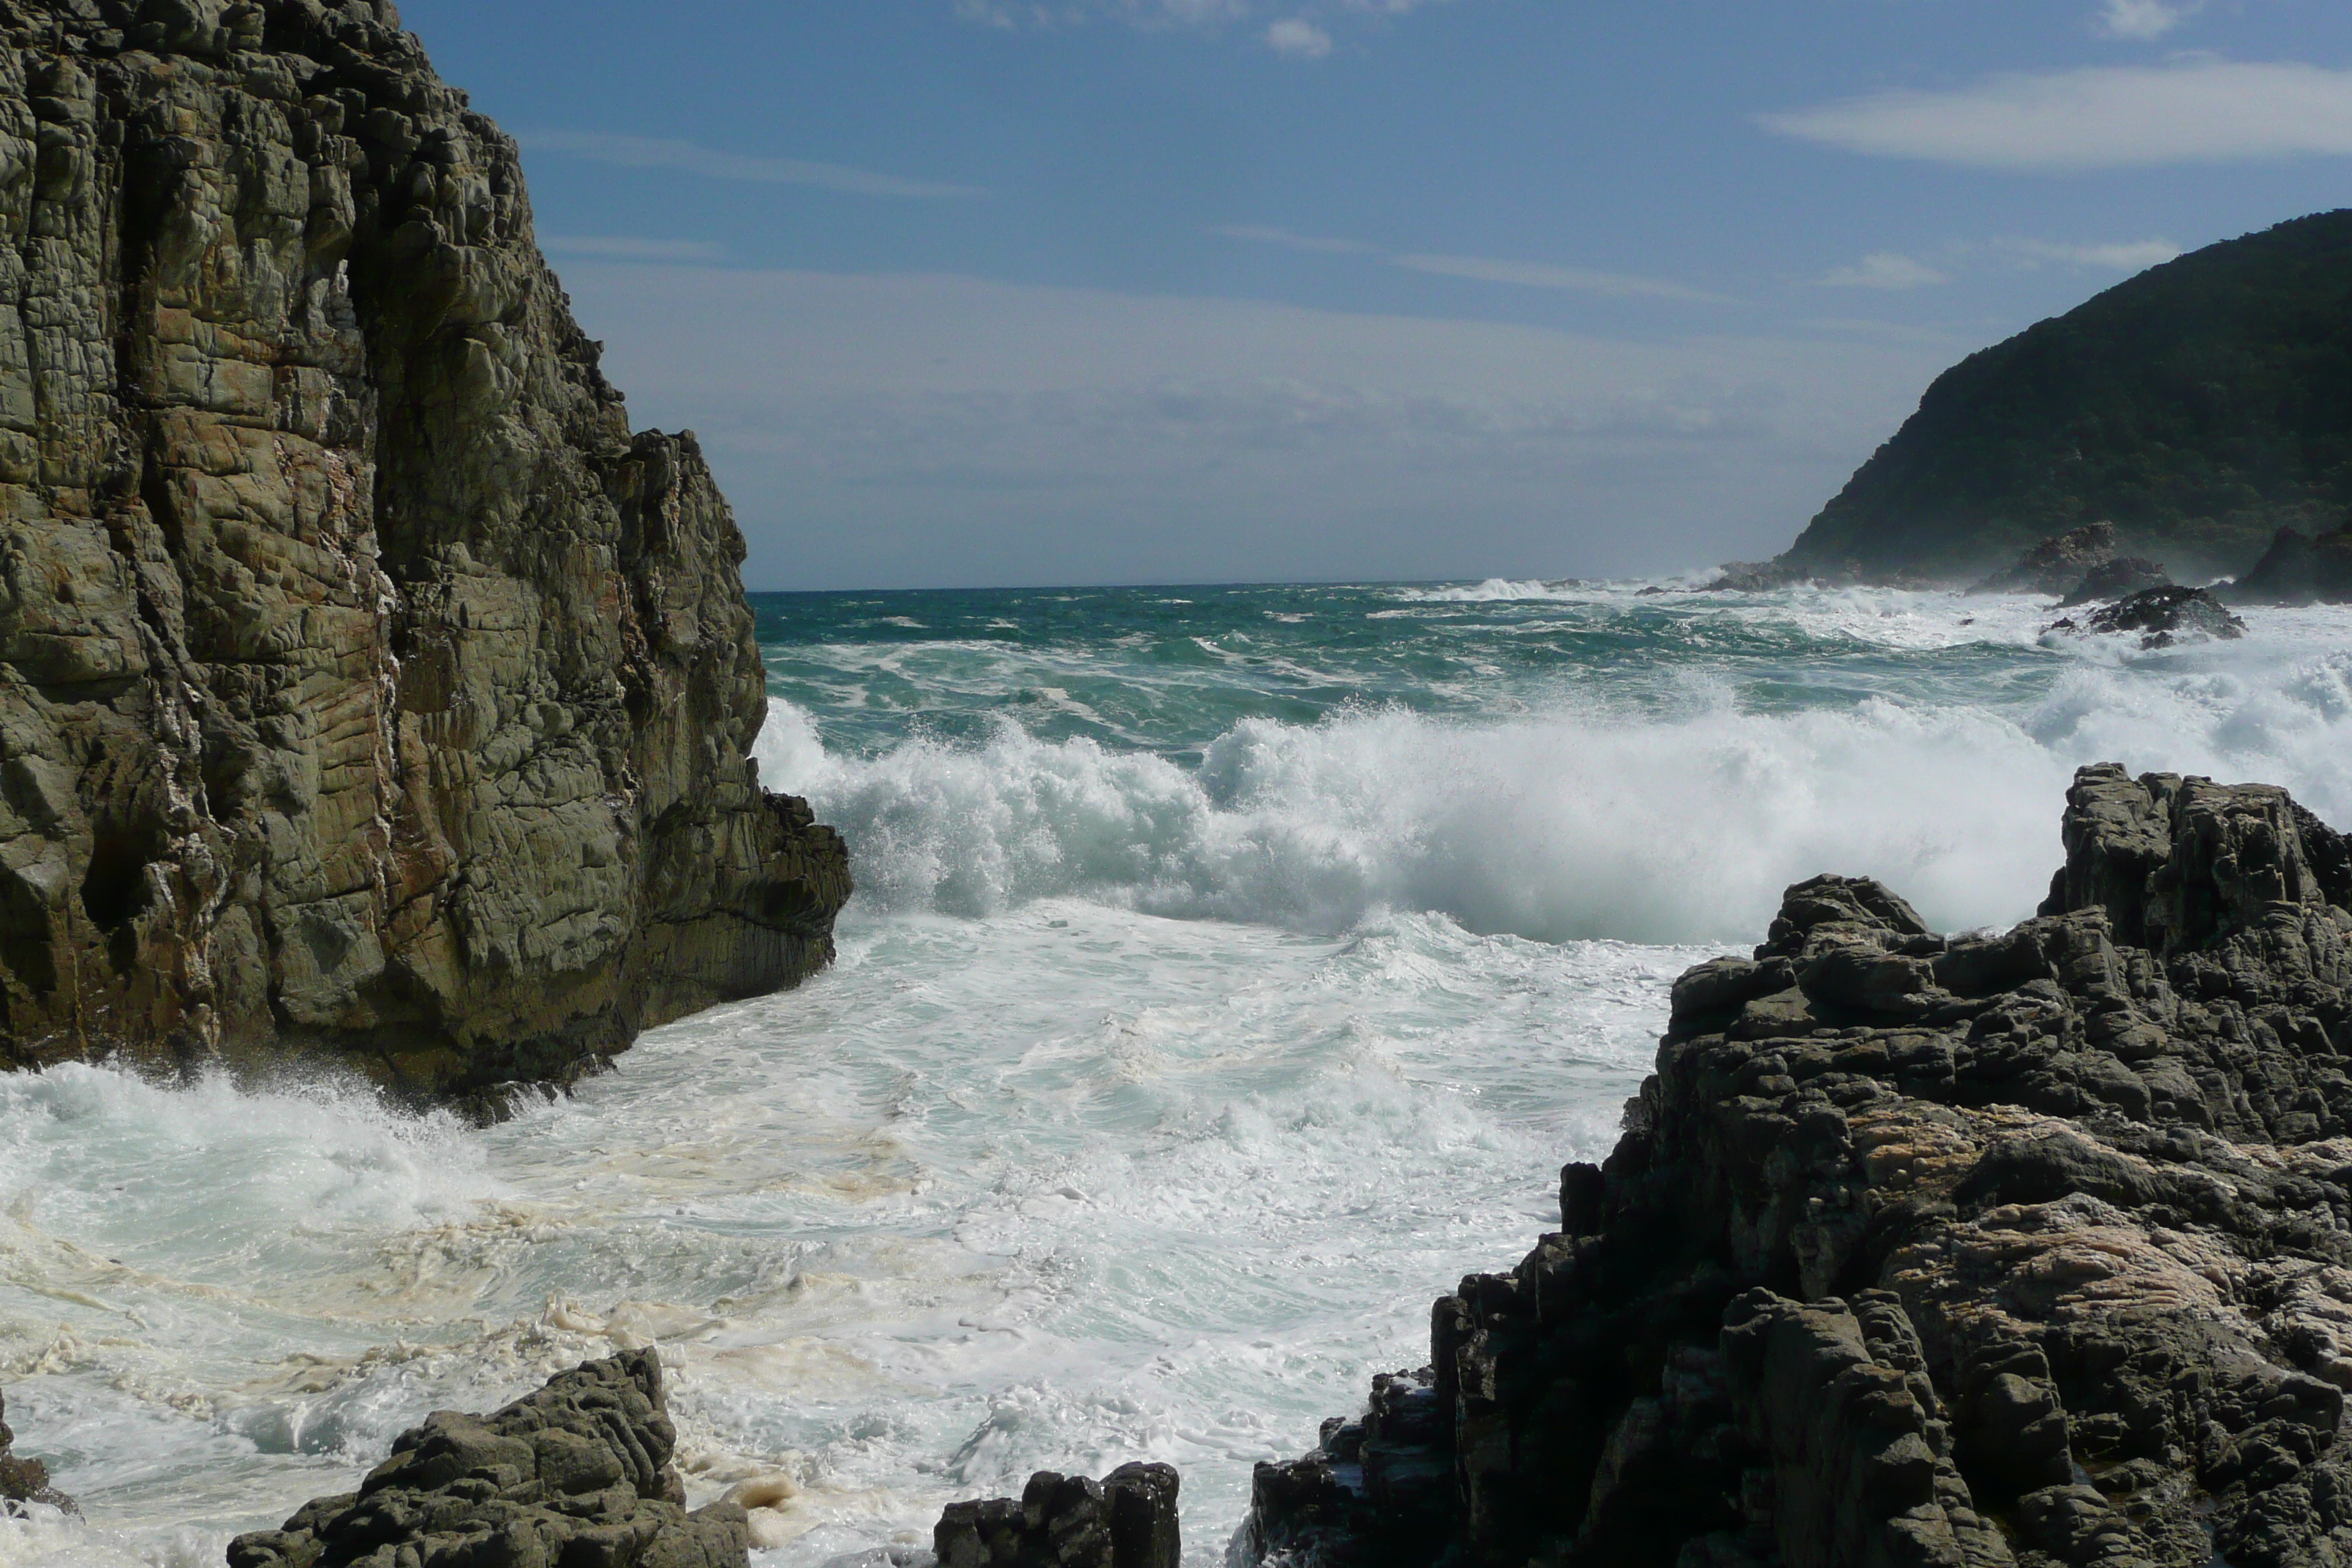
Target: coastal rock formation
2299 569
2033 1248
25 1481
2160 617
577 1474
366 687
2201 405
1127 1519
2117 579
2056 565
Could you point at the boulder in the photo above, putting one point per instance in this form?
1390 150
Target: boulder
578 1474
2160 617
1127 1519
2299 569
2116 579
25 1481
2056 565
369 690
2027 1247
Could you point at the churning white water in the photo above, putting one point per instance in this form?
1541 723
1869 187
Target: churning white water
1233 970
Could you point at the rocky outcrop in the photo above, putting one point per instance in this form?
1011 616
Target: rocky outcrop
366 686
25 1481
2299 569
2033 1248
2117 579
2056 565
2160 617
1127 1519
577 1474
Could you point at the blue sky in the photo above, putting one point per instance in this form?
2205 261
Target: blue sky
974 292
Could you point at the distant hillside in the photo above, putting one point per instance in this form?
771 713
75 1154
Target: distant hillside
2200 407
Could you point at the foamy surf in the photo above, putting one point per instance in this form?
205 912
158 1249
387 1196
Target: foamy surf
1232 971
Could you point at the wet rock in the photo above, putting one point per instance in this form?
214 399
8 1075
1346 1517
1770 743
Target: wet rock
2032 1246
577 1473
2160 617
1127 1519
2056 565
368 689
2298 569
2116 579
24 1481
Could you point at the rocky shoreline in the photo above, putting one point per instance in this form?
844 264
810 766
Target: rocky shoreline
2031 1247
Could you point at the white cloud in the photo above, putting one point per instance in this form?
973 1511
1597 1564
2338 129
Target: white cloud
935 429
2126 256
625 248
2145 21
650 152
1299 39
1543 275
1303 35
1485 270
1886 270
2195 111
1263 235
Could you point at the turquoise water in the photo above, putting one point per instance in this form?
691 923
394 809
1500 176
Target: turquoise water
1232 969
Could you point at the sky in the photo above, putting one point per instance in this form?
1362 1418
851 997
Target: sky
969 293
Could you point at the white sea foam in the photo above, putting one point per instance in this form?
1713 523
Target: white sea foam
1576 822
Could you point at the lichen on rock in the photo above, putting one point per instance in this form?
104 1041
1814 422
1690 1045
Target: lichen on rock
367 686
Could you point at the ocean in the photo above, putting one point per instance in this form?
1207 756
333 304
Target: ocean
1232 969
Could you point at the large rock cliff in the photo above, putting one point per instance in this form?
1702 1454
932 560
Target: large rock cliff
2033 1248
366 686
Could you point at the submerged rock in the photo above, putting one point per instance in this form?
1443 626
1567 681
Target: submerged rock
2160 616
367 686
1127 1519
2057 567
2028 1247
578 1474
24 1481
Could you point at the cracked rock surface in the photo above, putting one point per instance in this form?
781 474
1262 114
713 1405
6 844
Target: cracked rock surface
2033 1248
367 686
578 1474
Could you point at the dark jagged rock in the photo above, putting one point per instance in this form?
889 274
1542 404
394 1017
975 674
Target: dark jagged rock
25 1481
366 687
577 1475
2033 1248
1127 1519
2117 579
2201 405
2056 565
2299 569
2160 617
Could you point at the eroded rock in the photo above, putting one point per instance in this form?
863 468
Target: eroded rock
366 686
2056 565
2030 1247
2160 617
1127 1519
578 1474
24 1481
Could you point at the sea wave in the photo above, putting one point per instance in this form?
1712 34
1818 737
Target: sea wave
1566 824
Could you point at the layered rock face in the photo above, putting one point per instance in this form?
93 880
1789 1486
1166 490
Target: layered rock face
366 686
2030 1248
578 1474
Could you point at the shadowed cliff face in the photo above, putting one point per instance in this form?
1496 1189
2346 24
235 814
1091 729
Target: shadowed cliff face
365 684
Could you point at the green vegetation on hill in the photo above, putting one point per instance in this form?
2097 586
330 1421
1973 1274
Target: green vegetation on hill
2201 405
